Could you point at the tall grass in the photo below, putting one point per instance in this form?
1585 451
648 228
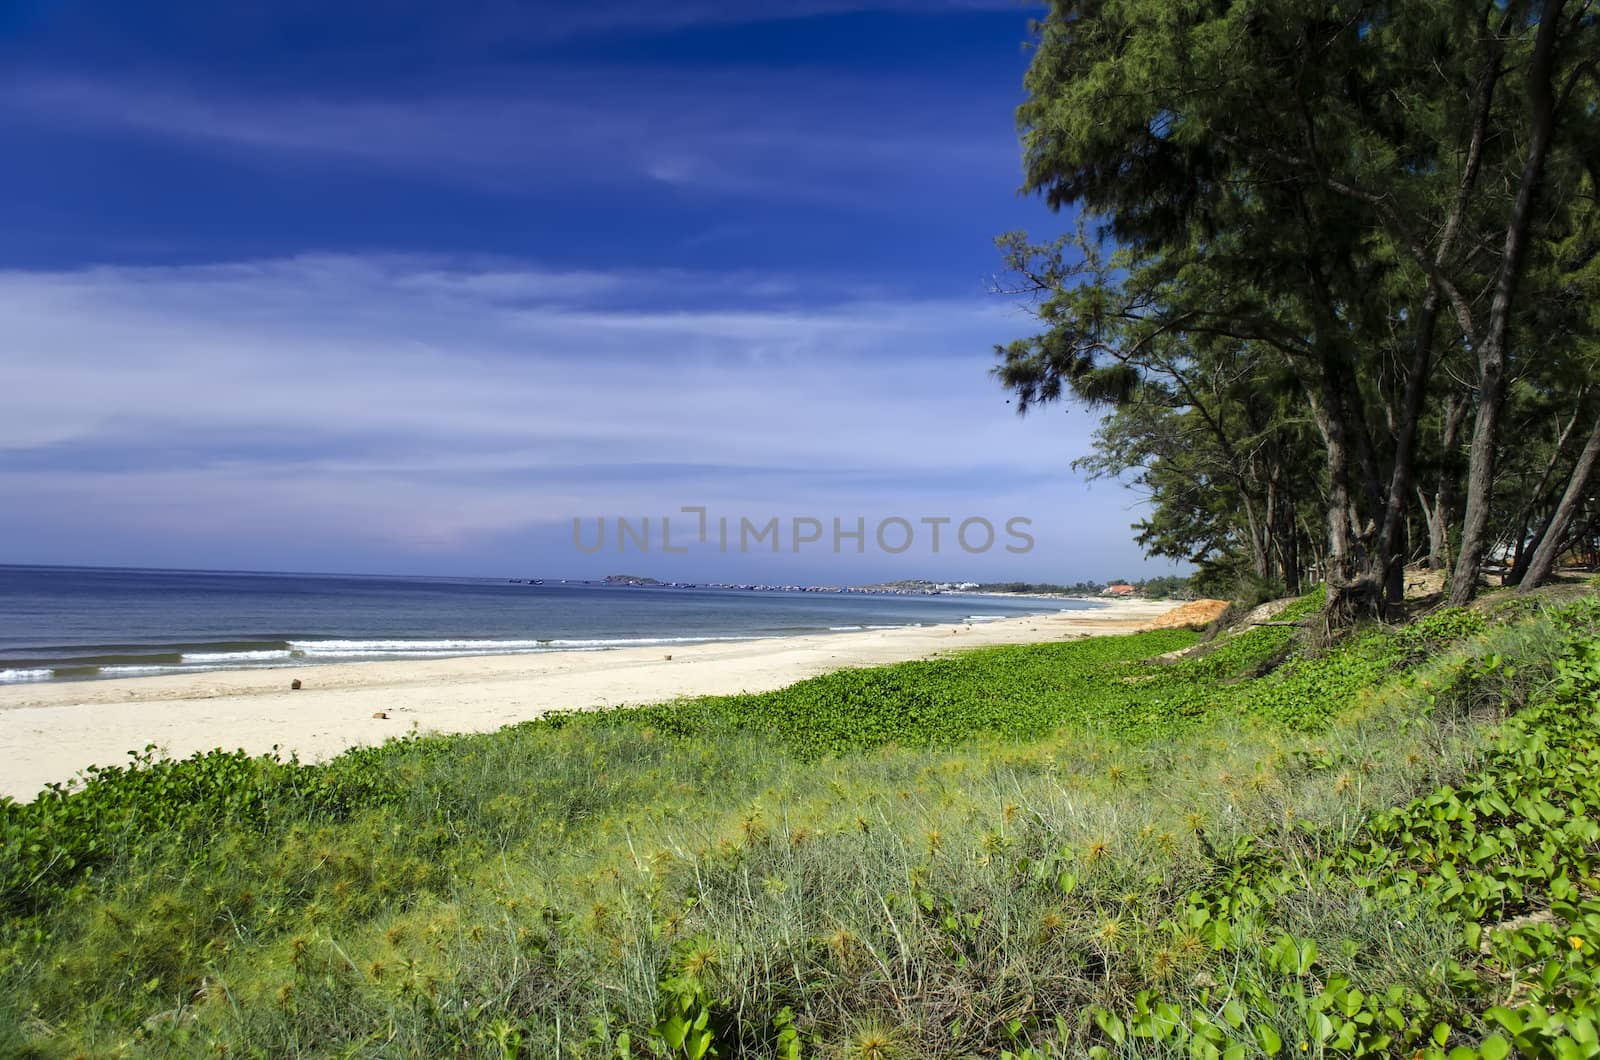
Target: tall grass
935 859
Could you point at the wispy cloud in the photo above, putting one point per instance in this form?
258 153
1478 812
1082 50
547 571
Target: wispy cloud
645 14
484 24
422 404
341 344
728 133
438 404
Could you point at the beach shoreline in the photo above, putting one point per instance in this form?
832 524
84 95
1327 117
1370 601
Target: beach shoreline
50 731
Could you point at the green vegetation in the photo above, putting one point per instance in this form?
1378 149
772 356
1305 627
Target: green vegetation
1025 588
1167 587
1332 272
1162 588
1134 845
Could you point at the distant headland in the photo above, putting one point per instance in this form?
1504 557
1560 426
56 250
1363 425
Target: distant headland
1150 588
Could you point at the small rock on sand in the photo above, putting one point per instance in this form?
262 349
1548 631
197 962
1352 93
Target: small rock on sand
380 714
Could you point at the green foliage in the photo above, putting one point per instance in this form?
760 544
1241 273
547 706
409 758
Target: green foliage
1262 192
1158 588
1167 588
1504 863
1041 852
67 833
1246 588
1306 693
1016 692
1025 588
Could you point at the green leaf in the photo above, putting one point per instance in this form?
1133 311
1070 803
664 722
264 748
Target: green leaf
1111 1025
1494 1047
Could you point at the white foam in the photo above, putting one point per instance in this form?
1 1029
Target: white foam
384 647
390 653
206 657
633 642
428 649
851 629
987 618
125 671
11 677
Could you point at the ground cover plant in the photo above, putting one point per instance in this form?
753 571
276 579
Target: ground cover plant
1129 846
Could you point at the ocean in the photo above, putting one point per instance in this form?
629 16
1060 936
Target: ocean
66 623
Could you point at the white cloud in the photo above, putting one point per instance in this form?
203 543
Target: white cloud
417 404
746 133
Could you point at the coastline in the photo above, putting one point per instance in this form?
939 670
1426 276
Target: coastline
51 731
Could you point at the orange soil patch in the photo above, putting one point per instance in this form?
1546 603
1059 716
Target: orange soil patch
1197 614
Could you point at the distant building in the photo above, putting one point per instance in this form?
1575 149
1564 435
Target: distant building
1119 590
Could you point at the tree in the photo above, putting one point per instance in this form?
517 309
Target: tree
1553 540
1352 191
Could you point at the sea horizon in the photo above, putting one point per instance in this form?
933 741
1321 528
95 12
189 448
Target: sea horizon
81 623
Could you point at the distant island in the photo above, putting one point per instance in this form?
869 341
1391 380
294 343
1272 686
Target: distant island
631 579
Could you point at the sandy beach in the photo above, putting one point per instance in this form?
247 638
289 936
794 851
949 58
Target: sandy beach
50 731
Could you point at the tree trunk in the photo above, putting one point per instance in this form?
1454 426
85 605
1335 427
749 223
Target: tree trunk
1492 350
1439 535
1526 546
1318 569
1408 423
1445 491
1544 557
1291 562
1520 551
1286 539
1352 591
1258 543
1405 442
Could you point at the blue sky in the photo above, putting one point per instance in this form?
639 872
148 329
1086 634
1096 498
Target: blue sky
406 287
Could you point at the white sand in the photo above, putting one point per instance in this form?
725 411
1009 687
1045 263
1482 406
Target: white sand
50 731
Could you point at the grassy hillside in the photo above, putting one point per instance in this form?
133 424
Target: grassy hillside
1088 847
